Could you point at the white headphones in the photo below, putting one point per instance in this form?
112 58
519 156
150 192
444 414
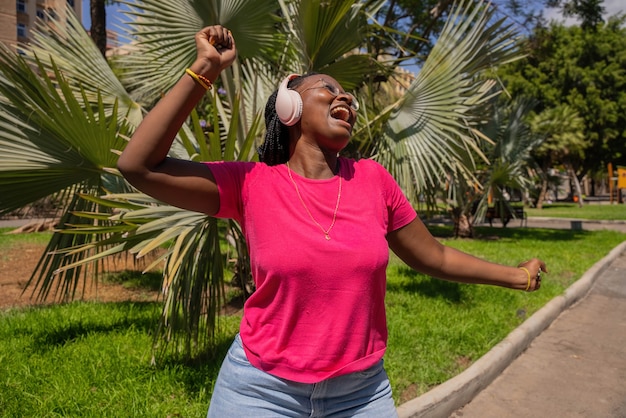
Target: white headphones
288 102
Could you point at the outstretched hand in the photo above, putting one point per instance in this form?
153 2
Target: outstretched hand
534 268
216 46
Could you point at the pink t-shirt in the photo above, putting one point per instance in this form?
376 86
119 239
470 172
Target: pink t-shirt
318 310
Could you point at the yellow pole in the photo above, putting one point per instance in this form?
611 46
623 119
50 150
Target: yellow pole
610 183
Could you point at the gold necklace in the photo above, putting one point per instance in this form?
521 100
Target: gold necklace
325 231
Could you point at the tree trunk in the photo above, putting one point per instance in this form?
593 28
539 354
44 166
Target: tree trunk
543 192
98 25
465 229
544 184
577 188
462 224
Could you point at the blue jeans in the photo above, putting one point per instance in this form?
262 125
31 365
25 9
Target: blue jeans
243 391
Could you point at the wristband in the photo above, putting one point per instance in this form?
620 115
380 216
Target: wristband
528 273
200 79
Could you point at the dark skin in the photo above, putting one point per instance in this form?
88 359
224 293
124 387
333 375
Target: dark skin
315 142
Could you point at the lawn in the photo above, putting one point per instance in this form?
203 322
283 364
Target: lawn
95 359
588 211
438 328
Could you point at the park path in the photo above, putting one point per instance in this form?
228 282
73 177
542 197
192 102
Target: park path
575 368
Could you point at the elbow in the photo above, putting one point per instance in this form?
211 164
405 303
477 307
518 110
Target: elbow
125 166
130 169
122 165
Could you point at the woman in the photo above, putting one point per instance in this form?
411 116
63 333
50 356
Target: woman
319 228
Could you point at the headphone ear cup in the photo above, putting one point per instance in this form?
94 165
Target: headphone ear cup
288 103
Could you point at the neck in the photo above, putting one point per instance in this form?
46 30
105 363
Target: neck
314 165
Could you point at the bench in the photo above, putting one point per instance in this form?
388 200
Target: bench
518 213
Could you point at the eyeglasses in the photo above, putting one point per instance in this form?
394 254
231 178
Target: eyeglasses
334 90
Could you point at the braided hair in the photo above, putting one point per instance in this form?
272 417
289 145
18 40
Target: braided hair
275 148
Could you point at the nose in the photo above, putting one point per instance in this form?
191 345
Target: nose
349 99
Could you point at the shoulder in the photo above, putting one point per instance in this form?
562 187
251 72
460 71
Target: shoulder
238 168
370 169
233 165
365 165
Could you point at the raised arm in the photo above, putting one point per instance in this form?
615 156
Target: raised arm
144 162
415 245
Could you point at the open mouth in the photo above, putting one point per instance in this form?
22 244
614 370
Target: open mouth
342 113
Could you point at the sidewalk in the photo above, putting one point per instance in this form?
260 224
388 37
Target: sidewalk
576 368
566 360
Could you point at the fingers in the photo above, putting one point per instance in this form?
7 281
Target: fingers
217 36
534 267
215 50
220 37
537 283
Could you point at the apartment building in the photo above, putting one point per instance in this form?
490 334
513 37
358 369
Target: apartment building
19 17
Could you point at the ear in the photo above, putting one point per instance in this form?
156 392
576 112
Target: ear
288 103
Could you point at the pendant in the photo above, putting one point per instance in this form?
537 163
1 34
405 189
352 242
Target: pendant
327 237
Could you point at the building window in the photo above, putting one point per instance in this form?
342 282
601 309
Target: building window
40 14
70 2
21 6
21 30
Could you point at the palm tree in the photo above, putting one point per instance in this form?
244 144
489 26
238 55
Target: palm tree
432 129
506 168
511 162
562 127
429 131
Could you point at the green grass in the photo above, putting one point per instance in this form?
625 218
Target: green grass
132 279
587 211
437 328
7 240
88 359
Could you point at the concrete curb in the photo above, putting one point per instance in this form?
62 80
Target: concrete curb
443 400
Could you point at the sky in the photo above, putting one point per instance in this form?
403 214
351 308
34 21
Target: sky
611 7
114 16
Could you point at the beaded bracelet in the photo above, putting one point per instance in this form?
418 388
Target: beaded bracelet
528 273
200 79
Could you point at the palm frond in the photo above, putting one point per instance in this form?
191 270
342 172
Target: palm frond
510 154
52 136
163 34
71 49
431 131
327 37
57 273
197 292
191 257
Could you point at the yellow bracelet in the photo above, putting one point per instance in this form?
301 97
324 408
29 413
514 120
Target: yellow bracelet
200 79
528 273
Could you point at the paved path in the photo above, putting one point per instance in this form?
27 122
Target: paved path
16 223
564 223
575 368
566 360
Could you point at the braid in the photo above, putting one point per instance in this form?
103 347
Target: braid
275 149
